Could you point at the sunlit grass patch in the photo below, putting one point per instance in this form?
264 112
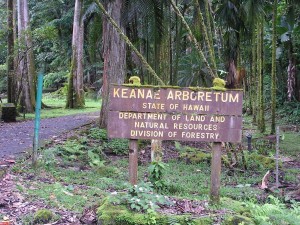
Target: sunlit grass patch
57 107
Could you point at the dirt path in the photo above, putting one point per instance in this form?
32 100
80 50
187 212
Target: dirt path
16 138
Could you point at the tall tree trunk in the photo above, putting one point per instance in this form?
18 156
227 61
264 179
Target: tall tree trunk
273 72
253 75
261 116
11 97
20 59
75 97
79 85
30 57
291 71
25 99
114 52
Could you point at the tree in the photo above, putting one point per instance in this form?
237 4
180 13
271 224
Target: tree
10 53
230 17
193 39
114 54
291 69
75 97
253 10
260 72
273 73
26 65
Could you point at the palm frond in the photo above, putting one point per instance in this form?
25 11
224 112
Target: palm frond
91 9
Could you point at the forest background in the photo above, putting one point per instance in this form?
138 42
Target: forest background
83 46
251 44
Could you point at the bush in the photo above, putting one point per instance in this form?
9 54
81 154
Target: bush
275 213
98 134
140 198
42 216
117 146
55 80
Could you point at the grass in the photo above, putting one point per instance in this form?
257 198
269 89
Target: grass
290 144
63 181
75 185
77 189
57 104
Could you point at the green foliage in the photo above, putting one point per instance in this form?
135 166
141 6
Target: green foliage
275 213
257 161
46 32
191 155
190 71
109 213
95 159
156 172
184 148
219 84
175 221
135 80
55 79
98 134
117 146
290 112
141 197
49 157
3 78
42 216
72 150
238 220
62 196
150 217
77 150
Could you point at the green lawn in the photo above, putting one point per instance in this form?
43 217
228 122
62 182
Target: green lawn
57 107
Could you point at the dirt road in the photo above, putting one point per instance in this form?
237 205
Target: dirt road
17 138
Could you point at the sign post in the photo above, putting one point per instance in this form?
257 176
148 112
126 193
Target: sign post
215 178
183 114
133 161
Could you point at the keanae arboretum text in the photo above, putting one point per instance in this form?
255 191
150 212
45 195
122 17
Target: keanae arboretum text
175 114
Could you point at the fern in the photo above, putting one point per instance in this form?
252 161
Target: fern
173 221
275 213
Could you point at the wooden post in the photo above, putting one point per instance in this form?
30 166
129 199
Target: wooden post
133 161
215 179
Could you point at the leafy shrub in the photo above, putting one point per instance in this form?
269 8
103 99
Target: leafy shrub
184 149
117 146
97 134
256 161
42 216
290 112
156 172
141 197
55 79
71 150
95 159
74 150
275 213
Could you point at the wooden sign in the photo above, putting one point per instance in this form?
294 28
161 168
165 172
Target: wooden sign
175 114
